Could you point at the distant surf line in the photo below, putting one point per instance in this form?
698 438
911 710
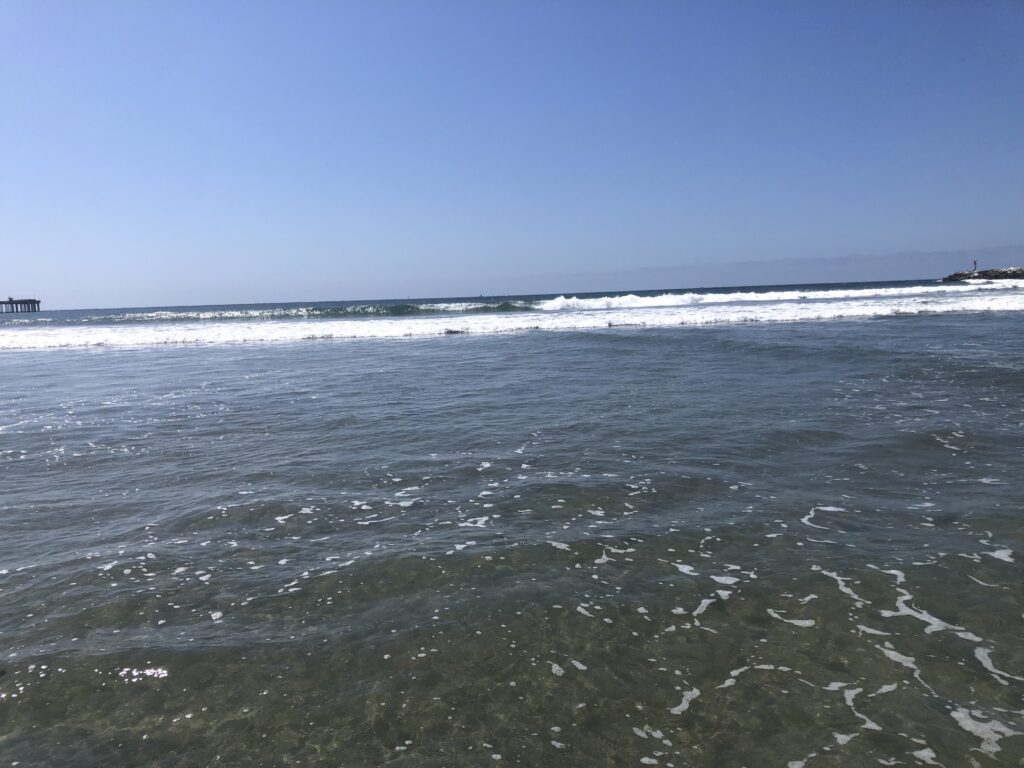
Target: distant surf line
234 325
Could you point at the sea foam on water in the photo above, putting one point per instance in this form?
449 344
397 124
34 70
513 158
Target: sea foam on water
257 324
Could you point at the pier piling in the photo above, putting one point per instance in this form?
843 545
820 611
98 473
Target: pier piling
19 305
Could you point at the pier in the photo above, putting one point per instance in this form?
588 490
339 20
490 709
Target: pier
19 305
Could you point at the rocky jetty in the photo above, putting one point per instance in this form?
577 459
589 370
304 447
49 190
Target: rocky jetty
1003 273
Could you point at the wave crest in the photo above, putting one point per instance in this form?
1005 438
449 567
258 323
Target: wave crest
441 324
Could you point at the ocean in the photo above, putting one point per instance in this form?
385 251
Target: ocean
767 526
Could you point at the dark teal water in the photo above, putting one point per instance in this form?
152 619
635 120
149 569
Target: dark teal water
760 544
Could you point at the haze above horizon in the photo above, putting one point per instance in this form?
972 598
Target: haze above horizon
230 152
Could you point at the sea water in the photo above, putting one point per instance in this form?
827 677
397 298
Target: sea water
744 527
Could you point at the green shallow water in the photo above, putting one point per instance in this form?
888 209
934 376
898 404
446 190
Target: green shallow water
796 545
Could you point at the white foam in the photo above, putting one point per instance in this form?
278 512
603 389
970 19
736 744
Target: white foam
887 688
684 705
1006 555
900 576
848 696
632 301
806 520
841 582
704 604
984 655
576 314
731 680
983 583
933 623
794 622
899 658
989 732
906 661
603 558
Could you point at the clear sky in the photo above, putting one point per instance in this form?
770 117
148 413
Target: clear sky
202 152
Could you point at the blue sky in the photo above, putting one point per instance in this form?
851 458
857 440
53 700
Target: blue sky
202 152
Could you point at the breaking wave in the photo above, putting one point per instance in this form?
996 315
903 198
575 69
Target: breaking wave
632 301
395 320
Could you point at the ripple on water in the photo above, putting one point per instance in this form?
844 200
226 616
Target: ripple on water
656 581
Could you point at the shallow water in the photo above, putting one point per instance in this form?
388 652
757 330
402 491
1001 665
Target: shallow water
792 544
